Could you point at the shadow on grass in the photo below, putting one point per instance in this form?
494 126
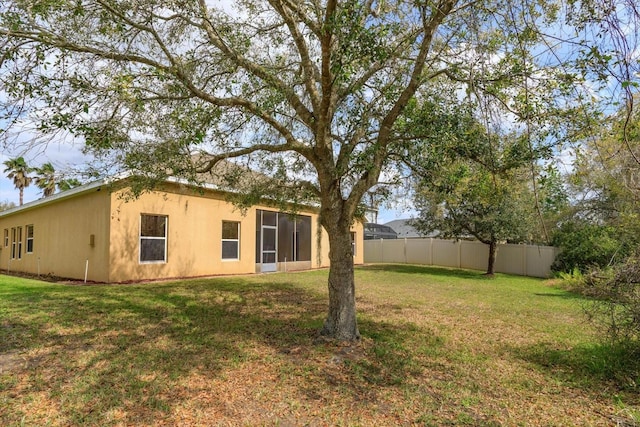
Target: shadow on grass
564 295
426 270
590 367
110 349
395 352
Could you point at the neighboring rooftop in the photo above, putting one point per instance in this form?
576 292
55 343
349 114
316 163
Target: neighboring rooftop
404 229
374 231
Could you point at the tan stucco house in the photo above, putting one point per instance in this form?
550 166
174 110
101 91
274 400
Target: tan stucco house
94 232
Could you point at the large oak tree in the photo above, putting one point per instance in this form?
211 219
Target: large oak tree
312 91
475 185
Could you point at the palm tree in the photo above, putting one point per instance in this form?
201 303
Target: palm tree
46 179
18 171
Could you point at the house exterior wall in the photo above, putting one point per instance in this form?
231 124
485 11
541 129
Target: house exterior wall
97 230
62 231
194 236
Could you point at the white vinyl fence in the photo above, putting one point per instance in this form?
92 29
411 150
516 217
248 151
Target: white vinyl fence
523 260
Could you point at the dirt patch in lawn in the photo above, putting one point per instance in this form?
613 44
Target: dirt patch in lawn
11 361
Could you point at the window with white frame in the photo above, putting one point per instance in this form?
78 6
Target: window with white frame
153 238
16 243
230 240
29 235
19 242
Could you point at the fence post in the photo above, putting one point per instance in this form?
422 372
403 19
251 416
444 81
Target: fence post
430 250
405 250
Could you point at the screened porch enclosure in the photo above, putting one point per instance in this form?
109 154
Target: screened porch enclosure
283 241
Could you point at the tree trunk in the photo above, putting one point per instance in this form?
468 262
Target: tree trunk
341 323
493 249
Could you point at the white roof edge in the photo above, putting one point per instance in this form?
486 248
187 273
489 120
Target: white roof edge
59 196
206 185
67 193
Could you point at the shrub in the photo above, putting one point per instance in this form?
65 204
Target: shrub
572 281
585 246
616 301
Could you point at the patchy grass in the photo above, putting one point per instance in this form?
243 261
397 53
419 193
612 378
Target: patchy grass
439 347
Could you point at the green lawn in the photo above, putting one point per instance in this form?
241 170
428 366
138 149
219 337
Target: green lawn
440 347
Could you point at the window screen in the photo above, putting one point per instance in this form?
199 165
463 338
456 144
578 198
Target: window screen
294 238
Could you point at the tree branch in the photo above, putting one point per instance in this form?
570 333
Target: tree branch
215 158
305 115
310 71
370 177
